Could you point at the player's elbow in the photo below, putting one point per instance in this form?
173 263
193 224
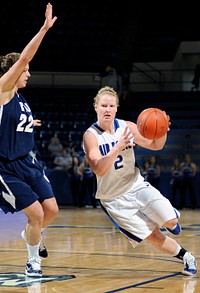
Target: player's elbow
98 171
155 147
23 61
159 148
158 144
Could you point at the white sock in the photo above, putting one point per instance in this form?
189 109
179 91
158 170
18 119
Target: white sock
33 251
177 250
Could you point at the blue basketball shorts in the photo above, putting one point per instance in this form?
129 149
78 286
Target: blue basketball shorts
22 182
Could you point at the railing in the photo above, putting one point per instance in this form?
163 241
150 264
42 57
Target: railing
144 77
151 75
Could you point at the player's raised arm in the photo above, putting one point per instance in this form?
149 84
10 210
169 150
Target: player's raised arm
8 79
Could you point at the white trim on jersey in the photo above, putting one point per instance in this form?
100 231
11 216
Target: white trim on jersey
1 113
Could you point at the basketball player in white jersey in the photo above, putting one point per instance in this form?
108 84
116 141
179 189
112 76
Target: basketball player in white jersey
135 207
23 183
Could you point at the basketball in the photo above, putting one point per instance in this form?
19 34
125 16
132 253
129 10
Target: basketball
152 123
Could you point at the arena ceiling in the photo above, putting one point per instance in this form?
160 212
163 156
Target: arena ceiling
89 34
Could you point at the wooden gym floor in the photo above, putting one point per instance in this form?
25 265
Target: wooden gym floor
88 255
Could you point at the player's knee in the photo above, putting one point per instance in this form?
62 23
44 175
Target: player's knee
171 223
36 217
50 208
34 213
53 211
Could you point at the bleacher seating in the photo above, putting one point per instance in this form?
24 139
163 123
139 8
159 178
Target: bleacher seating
184 111
67 113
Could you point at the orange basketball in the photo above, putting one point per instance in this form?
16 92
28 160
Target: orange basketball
152 123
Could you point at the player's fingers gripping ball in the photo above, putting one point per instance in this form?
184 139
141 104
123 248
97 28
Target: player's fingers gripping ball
153 123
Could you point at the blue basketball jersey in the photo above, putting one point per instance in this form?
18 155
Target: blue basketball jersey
16 128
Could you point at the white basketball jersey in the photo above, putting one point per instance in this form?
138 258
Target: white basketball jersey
123 174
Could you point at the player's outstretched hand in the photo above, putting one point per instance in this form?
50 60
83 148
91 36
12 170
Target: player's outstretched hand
49 19
37 122
125 139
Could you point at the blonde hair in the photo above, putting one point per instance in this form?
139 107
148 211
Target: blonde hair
106 90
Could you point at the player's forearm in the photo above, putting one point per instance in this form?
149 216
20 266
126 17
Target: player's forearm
32 47
159 143
102 165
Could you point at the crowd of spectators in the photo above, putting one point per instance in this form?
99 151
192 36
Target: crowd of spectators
182 179
70 157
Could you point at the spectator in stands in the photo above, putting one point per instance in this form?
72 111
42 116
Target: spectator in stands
88 183
63 160
153 175
144 169
176 183
114 80
55 147
188 169
75 149
196 78
75 180
71 147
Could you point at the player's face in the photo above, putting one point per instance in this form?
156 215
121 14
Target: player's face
106 108
22 80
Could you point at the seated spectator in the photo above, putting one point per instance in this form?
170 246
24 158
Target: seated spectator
63 160
144 169
71 147
196 78
176 183
88 186
153 176
55 147
75 180
188 169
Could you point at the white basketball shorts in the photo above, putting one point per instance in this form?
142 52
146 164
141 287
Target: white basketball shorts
139 211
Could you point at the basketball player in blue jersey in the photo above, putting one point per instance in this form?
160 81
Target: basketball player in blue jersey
23 184
188 170
133 205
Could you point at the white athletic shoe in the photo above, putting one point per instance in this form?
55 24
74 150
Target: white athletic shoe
33 268
190 264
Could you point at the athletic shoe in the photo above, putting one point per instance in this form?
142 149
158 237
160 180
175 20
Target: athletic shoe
33 268
176 230
42 250
190 264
